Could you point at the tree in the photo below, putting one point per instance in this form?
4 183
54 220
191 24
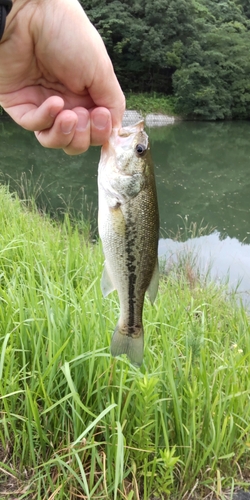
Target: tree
143 41
212 82
197 49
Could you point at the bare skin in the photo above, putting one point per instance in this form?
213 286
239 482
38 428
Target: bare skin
56 78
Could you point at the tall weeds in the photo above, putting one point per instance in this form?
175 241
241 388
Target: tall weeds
76 423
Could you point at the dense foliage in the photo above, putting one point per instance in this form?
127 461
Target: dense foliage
197 50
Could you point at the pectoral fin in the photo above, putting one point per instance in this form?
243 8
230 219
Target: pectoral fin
154 283
106 283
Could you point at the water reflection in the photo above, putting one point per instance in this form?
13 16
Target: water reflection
61 181
223 260
202 173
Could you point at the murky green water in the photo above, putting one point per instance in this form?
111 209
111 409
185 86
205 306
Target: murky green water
202 171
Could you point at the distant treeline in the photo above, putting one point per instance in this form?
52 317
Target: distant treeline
196 50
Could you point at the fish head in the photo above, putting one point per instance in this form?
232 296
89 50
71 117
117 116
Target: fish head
125 167
127 150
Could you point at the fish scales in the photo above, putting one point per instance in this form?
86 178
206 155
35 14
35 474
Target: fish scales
128 223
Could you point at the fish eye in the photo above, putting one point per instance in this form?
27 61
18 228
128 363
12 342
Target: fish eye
140 149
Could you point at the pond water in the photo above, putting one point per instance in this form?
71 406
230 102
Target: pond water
203 177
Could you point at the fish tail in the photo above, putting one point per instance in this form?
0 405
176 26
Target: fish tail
126 344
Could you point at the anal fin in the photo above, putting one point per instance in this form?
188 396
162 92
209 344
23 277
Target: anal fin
154 283
106 283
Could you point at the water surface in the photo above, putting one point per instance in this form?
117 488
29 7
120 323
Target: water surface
202 172
226 261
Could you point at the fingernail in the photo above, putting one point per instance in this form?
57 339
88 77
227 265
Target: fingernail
67 127
100 121
82 124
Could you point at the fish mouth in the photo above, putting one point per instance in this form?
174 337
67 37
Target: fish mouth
131 129
123 139
127 137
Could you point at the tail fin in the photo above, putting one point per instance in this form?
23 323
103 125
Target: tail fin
126 344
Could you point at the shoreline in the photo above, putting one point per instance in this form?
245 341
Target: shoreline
151 119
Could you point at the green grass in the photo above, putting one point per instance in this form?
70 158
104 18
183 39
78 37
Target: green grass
78 424
147 103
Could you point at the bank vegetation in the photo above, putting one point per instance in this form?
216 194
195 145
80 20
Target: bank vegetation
195 50
76 423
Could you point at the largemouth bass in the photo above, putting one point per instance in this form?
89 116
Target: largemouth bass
128 222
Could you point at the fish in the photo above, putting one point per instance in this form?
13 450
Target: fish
128 225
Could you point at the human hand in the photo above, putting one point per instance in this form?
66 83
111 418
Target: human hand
56 77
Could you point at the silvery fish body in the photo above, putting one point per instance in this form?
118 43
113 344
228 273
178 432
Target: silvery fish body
128 222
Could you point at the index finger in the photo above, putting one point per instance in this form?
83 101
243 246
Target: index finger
106 92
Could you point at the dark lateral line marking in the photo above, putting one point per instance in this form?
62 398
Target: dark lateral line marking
130 260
